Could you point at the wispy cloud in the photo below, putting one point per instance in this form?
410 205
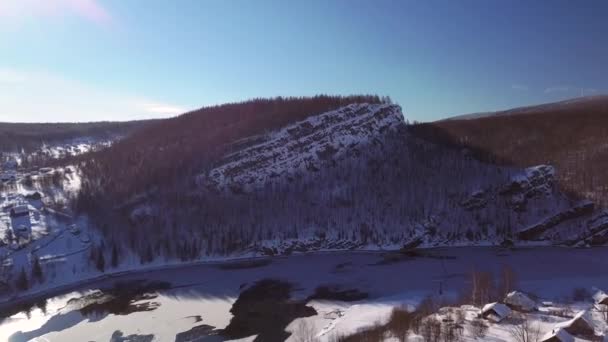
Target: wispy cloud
162 109
582 91
11 77
590 91
557 89
90 10
35 96
519 87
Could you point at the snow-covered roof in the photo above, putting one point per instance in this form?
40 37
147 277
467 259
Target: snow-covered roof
561 334
520 301
20 209
600 297
499 309
579 316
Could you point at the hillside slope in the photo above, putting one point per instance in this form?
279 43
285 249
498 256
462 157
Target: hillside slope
569 135
355 177
587 103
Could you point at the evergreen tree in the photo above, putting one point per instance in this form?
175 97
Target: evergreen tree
101 262
22 282
114 260
37 270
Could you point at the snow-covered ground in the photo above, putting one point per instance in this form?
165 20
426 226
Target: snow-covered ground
46 230
209 290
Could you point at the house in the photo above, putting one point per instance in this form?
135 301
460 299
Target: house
495 312
7 176
10 164
519 301
557 335
35 196
20 210
600 298
580 326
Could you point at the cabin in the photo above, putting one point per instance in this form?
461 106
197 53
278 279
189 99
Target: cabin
10 164
495 312
7 176
35 196
600 298
557 335
20 210
519 301
579 326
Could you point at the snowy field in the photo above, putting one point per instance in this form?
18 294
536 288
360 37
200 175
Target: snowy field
204 294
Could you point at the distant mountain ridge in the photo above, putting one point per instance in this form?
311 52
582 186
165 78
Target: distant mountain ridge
577 103
15 137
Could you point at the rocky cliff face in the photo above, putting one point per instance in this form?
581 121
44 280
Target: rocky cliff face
303 147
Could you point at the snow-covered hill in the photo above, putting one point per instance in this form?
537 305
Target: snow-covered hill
357 178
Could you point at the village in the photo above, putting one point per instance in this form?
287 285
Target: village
546 321
518 317
36 226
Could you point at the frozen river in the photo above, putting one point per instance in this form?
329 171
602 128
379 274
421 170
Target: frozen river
205 293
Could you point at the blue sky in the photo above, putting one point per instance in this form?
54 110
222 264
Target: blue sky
83 60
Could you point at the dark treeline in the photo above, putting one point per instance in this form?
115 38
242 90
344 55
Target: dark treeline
571 137
15 137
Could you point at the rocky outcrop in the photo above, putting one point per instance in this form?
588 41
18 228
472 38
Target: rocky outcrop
303 147
477 200
595 233
533 182
538 229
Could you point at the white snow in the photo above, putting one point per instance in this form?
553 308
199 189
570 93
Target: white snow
495 312
209 291
520 301
561 334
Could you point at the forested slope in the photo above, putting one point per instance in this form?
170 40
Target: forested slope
284 175
571 135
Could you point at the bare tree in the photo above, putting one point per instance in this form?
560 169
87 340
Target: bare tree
508 281
400 323
448 332
305 332
482 287
459 316
603 310
478 329
430 329
522 330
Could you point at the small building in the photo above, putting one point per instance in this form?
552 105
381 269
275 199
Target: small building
35 196
7 176
557 335
580 326
519 301
600 298
495 312
20 210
